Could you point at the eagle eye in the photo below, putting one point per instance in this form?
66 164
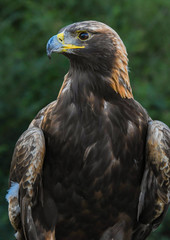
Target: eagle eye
83 36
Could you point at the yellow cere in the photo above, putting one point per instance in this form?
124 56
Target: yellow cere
60 38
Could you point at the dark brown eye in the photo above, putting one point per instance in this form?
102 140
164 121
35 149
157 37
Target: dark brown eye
83 36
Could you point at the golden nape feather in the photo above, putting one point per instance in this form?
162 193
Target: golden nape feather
92 165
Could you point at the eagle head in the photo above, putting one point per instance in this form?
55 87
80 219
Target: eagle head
96 46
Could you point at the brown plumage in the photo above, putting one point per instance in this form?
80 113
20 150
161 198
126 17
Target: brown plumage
92 164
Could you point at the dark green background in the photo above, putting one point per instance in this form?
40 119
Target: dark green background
29 81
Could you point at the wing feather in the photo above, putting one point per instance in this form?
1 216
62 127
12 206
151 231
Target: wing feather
25 171
25 177
155 188
158 157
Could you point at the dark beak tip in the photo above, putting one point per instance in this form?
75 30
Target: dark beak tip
48 51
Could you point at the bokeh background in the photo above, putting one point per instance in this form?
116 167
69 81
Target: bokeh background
29 81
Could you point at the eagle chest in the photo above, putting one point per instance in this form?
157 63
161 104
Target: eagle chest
83 149
78 138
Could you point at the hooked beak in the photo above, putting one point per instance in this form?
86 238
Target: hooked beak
57 44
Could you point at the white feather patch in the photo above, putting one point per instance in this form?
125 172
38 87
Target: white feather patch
13 191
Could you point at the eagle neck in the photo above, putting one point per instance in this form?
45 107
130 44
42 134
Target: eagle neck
84 82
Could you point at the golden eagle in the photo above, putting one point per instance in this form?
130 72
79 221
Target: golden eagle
92 164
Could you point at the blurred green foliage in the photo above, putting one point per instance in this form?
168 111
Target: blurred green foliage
28 81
